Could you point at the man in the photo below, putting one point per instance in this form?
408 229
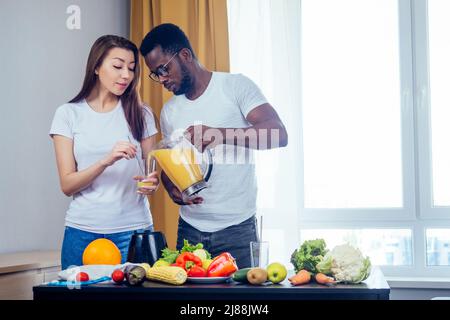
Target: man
228 114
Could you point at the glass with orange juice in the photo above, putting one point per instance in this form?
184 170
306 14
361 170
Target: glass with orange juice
149 168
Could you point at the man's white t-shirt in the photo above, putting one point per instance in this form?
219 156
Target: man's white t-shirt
110 203
231 196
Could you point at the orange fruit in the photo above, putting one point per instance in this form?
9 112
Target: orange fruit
102 251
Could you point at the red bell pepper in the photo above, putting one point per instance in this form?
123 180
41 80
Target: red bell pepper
187 260
222 266
196 271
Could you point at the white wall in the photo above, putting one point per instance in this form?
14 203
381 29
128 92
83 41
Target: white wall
42 67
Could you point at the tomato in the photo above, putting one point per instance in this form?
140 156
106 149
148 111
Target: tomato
118 276
82 276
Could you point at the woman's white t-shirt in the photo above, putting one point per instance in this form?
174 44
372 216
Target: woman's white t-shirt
110 203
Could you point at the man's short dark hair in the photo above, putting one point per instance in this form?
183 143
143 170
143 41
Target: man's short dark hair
169 37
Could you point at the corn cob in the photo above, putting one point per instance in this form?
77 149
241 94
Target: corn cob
146 266
167 274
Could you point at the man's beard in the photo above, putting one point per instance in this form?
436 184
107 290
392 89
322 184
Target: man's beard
186 82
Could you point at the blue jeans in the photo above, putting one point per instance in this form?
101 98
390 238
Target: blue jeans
75 241
234 239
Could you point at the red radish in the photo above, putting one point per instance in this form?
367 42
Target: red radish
82 277
118 276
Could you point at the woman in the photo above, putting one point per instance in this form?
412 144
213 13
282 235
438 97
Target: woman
100 139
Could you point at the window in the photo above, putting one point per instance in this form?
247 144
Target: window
438 247
439 53
351 89
431 66
361 86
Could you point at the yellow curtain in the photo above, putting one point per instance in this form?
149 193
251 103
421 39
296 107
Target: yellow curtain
205 24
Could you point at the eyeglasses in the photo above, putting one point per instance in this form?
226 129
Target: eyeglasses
162 70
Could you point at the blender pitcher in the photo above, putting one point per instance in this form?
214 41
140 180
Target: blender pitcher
178 159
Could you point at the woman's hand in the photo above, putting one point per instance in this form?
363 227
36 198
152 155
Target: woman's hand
147 185
122 149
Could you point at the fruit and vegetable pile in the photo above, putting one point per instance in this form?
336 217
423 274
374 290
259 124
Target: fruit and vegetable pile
343 264
311 261
175 266
192 261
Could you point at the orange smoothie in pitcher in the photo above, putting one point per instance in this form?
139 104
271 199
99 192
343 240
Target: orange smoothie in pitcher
179 165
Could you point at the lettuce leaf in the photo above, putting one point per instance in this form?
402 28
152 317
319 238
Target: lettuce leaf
187 247
169 255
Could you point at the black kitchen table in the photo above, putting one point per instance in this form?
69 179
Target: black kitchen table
374 288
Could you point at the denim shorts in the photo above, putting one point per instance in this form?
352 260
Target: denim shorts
75 241
234 239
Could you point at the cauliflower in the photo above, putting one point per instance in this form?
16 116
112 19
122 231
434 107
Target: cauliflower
346 264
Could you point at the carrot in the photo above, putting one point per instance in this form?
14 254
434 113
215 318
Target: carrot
324 279
302 277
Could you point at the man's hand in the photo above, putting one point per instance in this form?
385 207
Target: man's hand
202 136
175 195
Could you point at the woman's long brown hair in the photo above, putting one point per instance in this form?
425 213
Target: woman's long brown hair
131 101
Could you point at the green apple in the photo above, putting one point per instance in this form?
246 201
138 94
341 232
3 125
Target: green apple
276 272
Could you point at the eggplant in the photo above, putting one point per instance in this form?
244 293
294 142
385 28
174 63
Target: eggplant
135 275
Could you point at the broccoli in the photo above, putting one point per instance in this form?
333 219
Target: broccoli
310 253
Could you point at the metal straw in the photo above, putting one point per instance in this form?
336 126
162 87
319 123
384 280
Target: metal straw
137 159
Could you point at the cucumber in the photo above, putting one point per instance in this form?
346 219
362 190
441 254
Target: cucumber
241 275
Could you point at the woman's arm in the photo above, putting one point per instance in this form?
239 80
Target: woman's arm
73 181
